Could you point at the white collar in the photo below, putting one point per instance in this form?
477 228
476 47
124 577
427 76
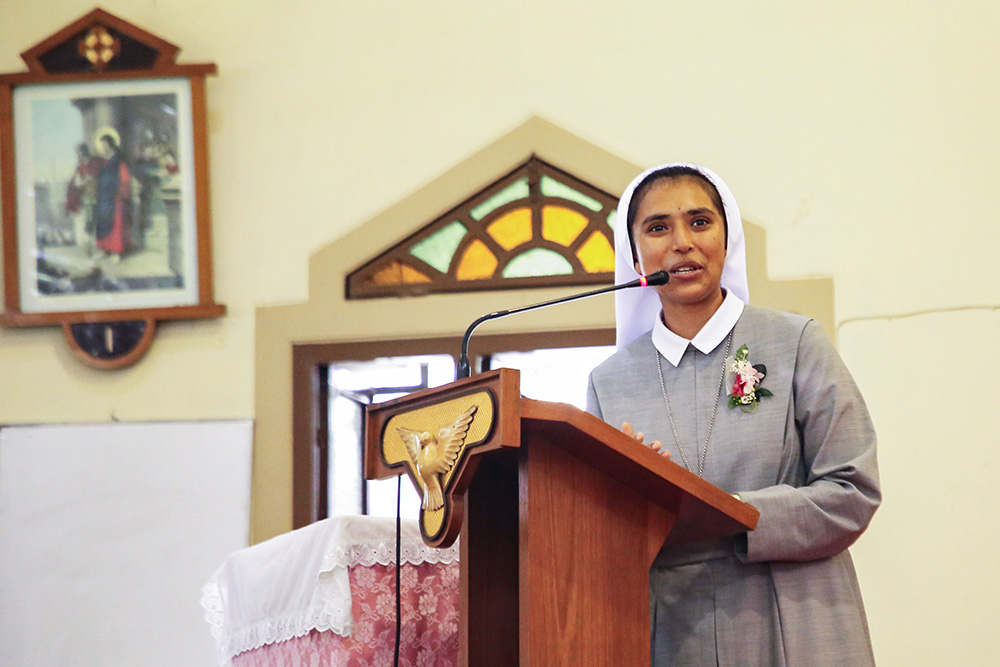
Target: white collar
672 346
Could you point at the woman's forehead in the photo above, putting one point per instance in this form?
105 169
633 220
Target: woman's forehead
682 190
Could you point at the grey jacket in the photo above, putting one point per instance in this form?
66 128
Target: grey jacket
785 593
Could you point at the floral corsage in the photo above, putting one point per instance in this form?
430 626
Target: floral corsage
746 391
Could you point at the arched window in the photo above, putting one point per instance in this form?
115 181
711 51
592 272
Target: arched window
538 226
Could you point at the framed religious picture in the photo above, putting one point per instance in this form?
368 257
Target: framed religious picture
106 216
103 176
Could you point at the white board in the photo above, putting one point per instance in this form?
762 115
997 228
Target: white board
108 532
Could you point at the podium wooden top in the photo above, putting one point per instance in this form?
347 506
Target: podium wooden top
703 510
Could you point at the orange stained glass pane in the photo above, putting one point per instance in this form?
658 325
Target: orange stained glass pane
478 262
561 225
511 229
397 273
596 254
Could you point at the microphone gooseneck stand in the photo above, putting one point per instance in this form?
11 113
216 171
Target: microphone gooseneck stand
464 370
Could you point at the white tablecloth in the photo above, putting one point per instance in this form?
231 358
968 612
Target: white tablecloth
298 582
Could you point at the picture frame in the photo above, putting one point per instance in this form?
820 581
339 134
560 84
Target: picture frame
105 196
104 189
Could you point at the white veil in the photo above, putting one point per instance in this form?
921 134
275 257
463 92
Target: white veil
635 309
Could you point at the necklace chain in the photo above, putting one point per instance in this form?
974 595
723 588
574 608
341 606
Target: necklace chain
715 410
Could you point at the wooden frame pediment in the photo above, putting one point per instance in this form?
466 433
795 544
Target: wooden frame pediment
95 33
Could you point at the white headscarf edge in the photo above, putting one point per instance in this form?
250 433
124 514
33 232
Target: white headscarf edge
635 309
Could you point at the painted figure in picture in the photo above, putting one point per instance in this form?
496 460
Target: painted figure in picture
113 210
81 196
154 166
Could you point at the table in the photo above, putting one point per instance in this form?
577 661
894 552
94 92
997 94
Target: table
324 595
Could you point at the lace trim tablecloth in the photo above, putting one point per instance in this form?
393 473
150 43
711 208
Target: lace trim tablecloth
298 582
429 610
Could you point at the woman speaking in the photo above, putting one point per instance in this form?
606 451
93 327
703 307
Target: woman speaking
758 403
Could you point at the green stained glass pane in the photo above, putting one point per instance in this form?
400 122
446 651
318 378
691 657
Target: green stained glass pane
553 188
537 262
516 190
438 248
611 219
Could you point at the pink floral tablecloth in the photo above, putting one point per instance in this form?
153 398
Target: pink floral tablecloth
429 637
324 595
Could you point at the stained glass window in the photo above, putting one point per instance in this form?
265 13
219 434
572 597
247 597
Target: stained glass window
536 226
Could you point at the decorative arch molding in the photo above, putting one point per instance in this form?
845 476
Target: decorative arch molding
289 337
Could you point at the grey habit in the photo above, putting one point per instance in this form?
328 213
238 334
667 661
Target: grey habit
785 593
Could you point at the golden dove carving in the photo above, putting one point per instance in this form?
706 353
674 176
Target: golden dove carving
433 456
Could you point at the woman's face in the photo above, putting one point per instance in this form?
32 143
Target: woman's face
677 228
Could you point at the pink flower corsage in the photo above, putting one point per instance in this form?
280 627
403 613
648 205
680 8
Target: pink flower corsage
746 391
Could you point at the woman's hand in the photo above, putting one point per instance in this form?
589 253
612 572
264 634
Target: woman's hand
656 446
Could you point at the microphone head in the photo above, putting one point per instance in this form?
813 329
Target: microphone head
660 277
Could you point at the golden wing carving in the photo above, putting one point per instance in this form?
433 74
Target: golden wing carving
450 439
411 439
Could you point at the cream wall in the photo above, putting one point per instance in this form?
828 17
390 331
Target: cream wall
861 135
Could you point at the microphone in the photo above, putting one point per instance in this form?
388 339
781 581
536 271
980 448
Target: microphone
463 371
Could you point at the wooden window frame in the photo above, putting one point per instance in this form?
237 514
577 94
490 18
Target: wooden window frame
310 395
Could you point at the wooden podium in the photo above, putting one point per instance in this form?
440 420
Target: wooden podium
560 515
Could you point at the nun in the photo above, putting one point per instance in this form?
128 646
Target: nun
757 402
